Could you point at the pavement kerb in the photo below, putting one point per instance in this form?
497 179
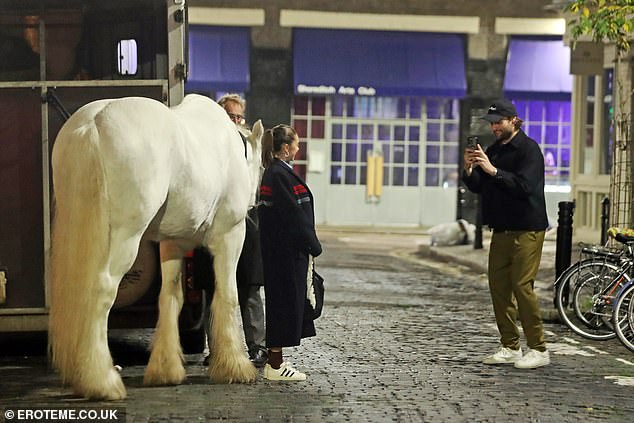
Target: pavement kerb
449 257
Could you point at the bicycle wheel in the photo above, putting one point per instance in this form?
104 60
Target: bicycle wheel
594 297
623 317
575 299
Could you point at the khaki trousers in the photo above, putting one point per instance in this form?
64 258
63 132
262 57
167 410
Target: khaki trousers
514 258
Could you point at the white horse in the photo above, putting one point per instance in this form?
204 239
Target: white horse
125 167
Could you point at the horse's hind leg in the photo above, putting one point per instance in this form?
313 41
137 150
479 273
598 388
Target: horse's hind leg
91 373
229 362
82 323
166 361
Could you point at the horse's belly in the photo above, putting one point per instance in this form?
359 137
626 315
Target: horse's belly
139 278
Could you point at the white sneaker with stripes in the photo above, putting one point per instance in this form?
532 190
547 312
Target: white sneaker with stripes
285 372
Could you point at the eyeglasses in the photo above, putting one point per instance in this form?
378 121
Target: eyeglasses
239 119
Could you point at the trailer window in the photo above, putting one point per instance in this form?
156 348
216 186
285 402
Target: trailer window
127 57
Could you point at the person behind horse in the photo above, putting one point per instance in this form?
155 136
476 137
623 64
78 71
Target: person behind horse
287 230
249 273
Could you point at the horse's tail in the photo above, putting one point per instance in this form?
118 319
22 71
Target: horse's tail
81 290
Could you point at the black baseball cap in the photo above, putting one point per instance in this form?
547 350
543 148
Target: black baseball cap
499 110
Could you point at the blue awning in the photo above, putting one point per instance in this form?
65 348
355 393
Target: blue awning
538 69
218 58
386 63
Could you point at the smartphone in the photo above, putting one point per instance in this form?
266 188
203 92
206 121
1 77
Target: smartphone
472 143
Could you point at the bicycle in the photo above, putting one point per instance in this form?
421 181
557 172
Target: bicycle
587 291
623 313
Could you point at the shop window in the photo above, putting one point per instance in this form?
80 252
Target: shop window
395 127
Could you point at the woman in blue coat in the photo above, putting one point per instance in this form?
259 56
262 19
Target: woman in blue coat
288 238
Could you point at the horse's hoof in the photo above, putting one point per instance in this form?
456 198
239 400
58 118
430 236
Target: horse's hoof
174 376
242 372
112 388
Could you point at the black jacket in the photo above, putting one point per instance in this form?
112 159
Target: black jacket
513 199
286 209
249 270
287 234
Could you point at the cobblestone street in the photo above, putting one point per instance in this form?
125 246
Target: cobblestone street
399 340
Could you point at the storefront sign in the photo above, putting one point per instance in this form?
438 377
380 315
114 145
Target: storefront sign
330 89
586 58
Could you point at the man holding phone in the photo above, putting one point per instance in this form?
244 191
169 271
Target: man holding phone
509 175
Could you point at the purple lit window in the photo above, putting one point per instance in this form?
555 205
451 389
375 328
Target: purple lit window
351 132
398 176
335 152
386 153
433 154
365 148
433 132
337 106
384 132
433 109
399 153
415 108
367 132
337 131
412 176
551 136
335 175
351 152
451 132
351 175
413 154
414 133
431 177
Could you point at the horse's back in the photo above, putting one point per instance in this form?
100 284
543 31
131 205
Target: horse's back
122 130
191 153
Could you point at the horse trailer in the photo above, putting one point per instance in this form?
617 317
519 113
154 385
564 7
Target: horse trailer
56 56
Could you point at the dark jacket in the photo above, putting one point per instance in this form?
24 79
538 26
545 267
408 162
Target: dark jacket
249 270
287 234
513 199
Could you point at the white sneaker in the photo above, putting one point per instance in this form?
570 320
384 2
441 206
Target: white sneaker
503 356
533 359
285 372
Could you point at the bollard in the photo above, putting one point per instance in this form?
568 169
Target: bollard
605 214
564 237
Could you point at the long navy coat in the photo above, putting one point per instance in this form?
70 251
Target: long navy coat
287 231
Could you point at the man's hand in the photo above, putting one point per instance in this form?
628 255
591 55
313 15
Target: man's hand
469 160
479 158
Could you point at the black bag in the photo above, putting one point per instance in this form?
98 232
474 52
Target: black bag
318 289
